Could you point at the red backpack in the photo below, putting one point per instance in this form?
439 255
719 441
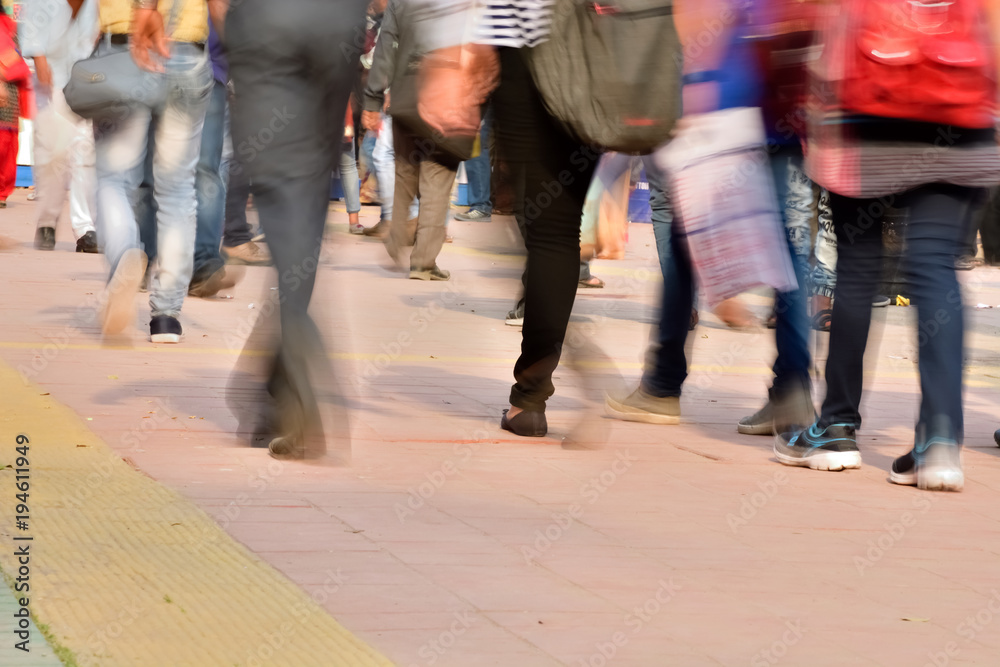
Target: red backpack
920 61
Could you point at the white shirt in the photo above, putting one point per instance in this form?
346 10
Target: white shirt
47 28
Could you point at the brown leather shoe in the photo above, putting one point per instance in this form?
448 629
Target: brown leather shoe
248 254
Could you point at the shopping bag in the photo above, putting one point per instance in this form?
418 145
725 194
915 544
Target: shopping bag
727 211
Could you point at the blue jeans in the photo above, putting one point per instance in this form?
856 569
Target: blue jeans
384 161
666 363
938 215
210 183
791 309
121 154
349 181
478 170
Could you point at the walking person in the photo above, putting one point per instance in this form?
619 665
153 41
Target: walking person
872 148
56 34
14 103
424 170
121 149
290 77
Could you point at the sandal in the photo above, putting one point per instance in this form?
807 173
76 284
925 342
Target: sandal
822 319
592 282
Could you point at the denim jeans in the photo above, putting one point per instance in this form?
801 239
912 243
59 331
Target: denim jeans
210 181
349 181
666 362
384 161
477 170
791 309
937 215
120 156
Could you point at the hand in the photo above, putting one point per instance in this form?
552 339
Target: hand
371 120
148 38
43 72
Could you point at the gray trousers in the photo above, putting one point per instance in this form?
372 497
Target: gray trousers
428 177
291 82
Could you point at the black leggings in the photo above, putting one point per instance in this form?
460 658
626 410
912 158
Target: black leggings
551 173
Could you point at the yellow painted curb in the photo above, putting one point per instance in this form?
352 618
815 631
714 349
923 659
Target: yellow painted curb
126 572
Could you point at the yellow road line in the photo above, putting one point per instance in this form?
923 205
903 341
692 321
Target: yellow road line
126 572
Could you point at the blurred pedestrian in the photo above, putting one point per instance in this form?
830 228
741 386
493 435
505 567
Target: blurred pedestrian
121 151
56 34
292 83
872 147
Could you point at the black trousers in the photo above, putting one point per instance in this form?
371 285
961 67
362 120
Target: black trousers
292 82
550 173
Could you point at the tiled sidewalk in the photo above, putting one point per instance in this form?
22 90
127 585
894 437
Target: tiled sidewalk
607 543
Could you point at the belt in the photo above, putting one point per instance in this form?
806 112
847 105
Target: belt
122 39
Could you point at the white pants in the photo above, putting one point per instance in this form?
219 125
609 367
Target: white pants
64 159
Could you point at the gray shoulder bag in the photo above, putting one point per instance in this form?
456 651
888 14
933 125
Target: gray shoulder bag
104 87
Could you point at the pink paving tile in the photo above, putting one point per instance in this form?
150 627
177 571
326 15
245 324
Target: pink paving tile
667 516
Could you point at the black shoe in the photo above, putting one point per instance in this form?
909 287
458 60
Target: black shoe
996 437
934 466
165 329
527 423
45 238
832 448
86 243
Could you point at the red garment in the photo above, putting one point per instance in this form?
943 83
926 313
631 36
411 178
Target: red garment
8 163
13 69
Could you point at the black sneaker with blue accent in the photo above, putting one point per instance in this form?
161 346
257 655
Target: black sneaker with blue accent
832 448
934 466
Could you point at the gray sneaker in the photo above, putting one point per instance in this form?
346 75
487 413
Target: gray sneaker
759 423
474 215
642 407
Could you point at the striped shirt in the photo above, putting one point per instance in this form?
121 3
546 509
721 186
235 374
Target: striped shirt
514 23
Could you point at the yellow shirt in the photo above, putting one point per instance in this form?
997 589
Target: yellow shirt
191 25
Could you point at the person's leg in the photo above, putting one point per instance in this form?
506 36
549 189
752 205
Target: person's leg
857 223
436 180
791 333
143 202
8 163
666 360
934 235
83 182
210 186
236 230
297 68
175 160
351 185
52 163
552 232
478 173
383 160
120 152
407 167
